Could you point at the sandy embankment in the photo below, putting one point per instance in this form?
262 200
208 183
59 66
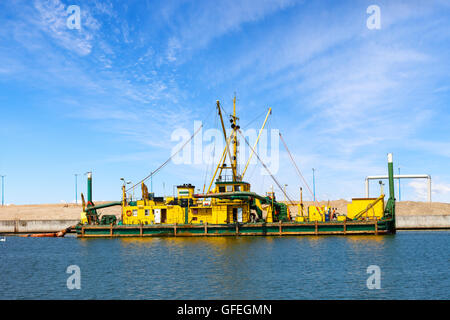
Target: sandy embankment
72 211
49 211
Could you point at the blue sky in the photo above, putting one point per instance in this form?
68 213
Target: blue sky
106 98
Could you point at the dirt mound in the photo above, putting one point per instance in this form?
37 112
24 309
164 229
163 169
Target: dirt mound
72 211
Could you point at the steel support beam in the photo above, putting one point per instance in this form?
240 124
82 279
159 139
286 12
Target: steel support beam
401 176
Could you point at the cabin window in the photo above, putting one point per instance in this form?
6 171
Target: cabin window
237 188
222 189
147 212
229 188
134 213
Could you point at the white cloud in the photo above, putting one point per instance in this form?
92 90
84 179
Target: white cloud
206 20
438 190
441 188
52 20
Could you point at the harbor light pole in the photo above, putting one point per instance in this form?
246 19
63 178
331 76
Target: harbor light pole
3 189
285 192
399 197
314 184
76 187
381 187
125 184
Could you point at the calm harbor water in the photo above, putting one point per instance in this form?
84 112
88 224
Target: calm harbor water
413 264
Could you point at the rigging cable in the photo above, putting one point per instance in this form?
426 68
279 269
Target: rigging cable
298 170
256 118
168 160
267 169
212 156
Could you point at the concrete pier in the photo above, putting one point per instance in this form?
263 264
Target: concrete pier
34 226
423 222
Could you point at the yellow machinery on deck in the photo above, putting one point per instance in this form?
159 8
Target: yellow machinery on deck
366 208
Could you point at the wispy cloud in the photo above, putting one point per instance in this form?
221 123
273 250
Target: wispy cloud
52 20
99 85
196 24
438 190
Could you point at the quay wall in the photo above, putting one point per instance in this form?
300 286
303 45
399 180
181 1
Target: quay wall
31 226
423 222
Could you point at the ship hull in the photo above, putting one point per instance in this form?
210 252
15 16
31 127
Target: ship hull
379 227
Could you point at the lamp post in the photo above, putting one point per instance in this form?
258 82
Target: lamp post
314 184
381 187
76 187
285 192
399 194
125 183
3 189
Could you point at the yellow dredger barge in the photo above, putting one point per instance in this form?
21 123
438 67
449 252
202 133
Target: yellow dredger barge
231 208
